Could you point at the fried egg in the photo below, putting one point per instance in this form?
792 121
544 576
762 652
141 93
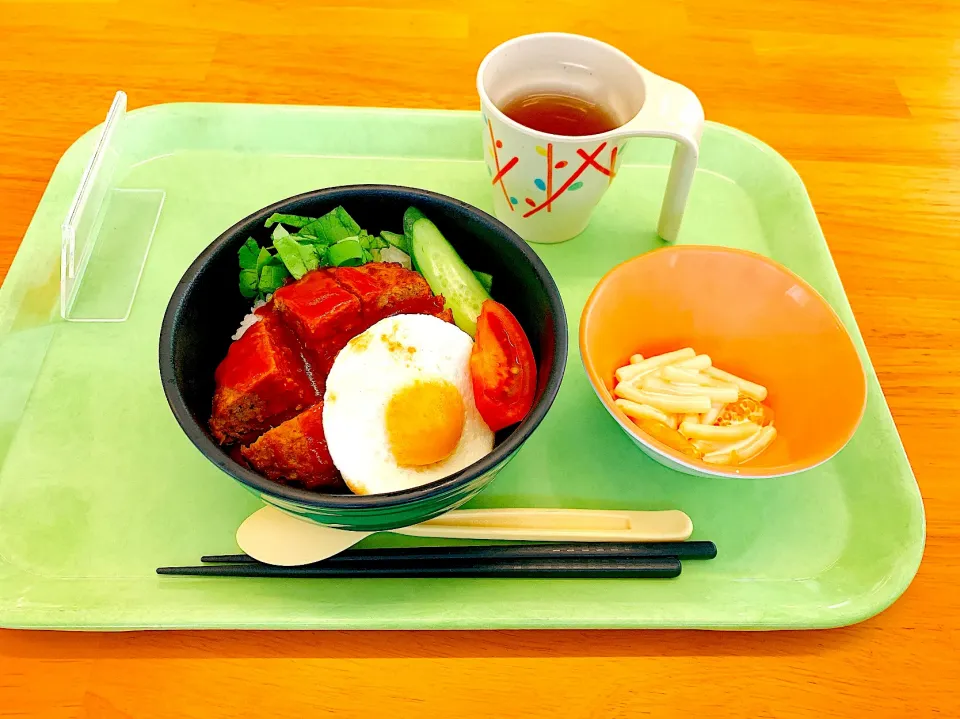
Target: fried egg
398 410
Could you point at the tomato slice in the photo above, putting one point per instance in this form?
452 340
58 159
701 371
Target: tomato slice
502 367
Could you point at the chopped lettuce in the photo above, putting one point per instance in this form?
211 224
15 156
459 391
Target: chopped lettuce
310 256
312 246
485 280
399 241
292 220
272 278
261 272
333 240
248 283
289 251
371 242
248 254
262 259
334 226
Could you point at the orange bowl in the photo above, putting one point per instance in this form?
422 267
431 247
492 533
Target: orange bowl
755 319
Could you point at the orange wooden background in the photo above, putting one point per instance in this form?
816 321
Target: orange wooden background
862 96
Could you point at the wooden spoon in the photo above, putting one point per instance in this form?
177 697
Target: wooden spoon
276 537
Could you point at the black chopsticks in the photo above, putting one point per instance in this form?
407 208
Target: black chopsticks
659 567
580 550
660 560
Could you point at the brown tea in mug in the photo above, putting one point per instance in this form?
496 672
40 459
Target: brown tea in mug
560 114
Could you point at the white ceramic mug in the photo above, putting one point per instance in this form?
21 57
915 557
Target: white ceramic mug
546 186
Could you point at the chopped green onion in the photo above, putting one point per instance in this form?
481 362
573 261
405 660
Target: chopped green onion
346 253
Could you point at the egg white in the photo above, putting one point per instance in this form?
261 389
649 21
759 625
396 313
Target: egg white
368 372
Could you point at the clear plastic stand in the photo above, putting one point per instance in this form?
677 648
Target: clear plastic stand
106 235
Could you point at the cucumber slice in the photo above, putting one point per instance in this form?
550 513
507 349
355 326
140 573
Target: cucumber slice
409 218
444 271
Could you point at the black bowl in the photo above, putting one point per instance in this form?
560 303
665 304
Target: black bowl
206 308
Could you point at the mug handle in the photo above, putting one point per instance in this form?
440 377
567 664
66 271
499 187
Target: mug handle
672 111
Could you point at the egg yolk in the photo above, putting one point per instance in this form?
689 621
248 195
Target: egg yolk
424 422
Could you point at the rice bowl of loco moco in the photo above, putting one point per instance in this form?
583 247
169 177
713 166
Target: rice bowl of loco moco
368 357
719 362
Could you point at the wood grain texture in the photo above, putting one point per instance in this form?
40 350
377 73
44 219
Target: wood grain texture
861 96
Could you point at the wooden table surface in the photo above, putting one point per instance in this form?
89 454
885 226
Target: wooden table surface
862 97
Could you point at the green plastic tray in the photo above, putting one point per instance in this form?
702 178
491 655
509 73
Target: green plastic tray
98 485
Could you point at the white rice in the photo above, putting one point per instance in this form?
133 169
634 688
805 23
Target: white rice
251 319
